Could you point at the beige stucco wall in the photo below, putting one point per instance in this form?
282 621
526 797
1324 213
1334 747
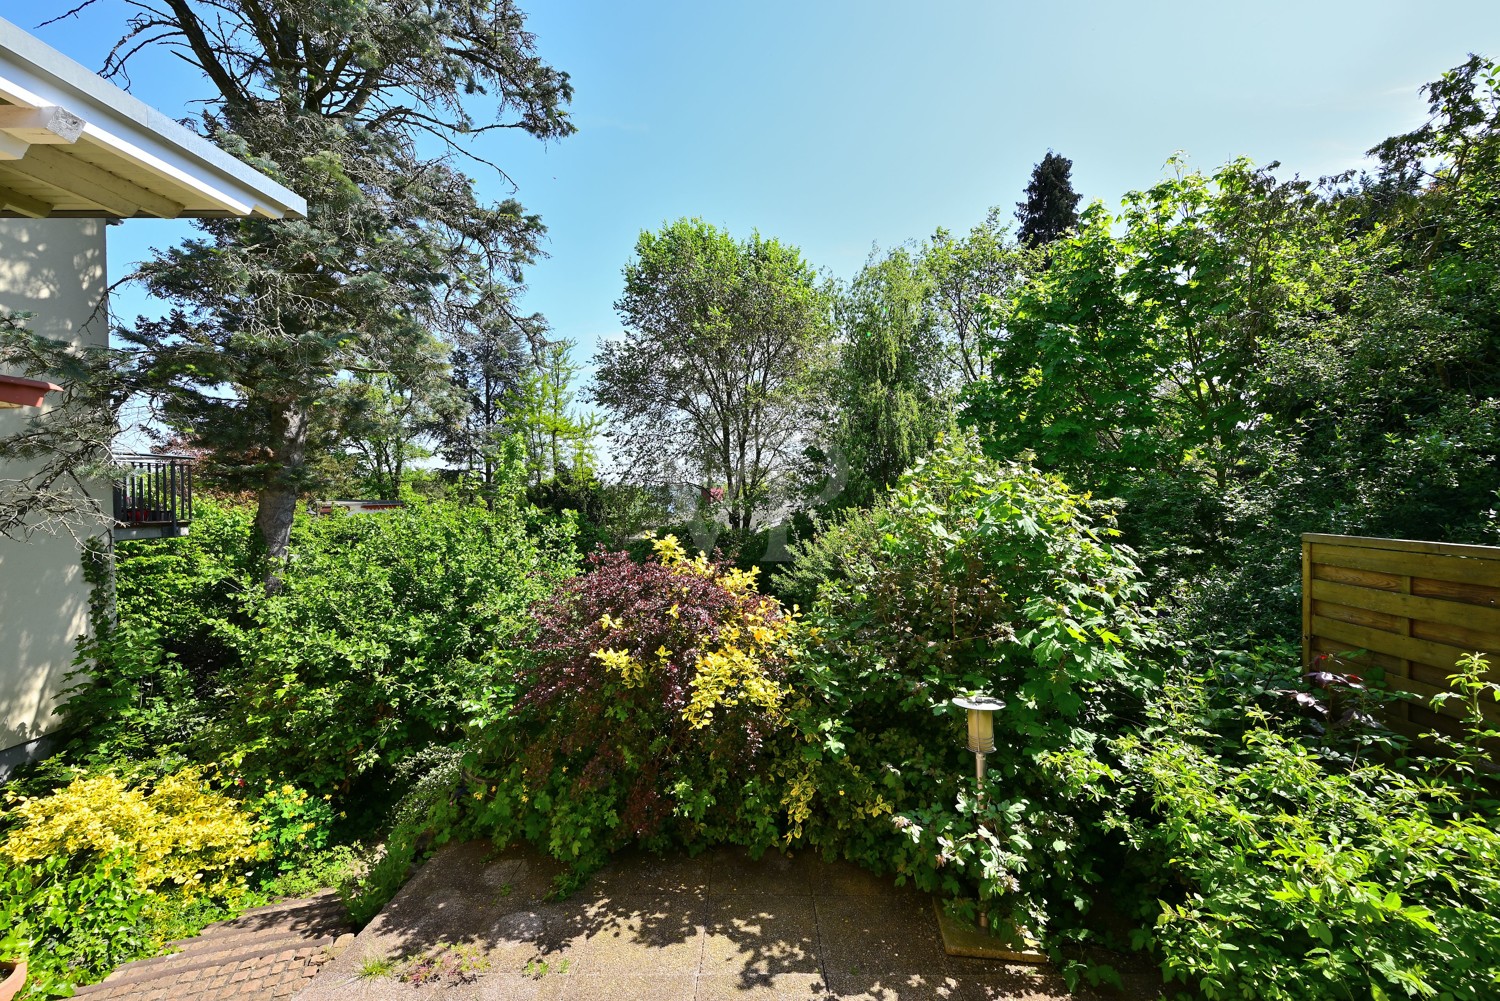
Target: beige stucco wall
55 269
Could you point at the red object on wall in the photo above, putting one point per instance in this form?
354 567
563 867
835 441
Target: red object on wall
18 392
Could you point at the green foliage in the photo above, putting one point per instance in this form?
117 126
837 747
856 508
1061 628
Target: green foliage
388 624
1050 208
967 272
1239 359
153 682
52 452
271 315
388 419
383 631
292 824
971 575
101 871
912 329
892 401
709 383
72 923
558 438
1283 873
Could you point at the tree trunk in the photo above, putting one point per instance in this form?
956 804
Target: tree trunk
275 509
276 502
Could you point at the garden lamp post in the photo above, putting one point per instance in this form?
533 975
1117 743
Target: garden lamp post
981 729
981 710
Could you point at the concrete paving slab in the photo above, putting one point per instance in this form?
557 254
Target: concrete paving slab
637 872
863 935
720 927
732 871
865 986
761 937
629 987
762 987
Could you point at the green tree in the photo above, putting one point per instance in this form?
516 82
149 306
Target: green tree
1134 363
1050 208
891 401
559 438
489 362
1242 359
966 272
335 99
391 415
711 372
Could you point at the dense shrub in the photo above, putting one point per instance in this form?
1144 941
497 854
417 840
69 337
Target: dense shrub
1267 867
101 871
647 699
382 629
176 832
1304 882
73 923
375 640
971 575
155 681
1258 855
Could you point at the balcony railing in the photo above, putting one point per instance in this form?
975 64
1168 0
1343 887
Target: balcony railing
153 495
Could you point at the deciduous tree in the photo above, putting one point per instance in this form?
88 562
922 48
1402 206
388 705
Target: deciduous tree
710 372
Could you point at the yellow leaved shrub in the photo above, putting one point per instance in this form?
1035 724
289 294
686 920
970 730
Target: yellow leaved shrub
178 831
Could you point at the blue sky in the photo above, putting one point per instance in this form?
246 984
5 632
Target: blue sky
839 125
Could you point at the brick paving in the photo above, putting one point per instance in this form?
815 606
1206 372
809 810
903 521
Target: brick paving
718 927
267 953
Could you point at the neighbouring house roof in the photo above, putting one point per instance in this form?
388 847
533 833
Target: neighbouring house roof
72 144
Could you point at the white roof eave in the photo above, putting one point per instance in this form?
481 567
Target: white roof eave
35 75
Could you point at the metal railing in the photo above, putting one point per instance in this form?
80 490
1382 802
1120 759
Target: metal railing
154 491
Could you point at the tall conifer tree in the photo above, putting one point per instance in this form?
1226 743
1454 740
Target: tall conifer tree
1050 208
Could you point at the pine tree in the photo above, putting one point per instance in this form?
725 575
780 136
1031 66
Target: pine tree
1051 205
359 108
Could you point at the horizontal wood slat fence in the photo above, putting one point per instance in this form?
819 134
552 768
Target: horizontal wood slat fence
1412 608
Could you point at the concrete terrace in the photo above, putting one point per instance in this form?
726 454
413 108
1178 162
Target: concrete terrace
719 927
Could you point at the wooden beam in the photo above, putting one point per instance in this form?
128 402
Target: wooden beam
1406 546
109 191
12 148
1404 563
26 205
49 126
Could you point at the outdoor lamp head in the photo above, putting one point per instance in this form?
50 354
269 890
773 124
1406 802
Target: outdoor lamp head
981 721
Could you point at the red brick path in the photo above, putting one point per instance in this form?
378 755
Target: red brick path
270 952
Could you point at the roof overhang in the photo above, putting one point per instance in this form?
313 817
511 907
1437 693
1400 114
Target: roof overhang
72 144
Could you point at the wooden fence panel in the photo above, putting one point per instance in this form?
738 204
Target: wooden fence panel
1410 608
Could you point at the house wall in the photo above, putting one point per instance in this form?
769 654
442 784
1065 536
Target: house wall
54 268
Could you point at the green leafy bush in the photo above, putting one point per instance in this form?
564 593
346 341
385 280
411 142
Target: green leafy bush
1283 874
378 635
292 824
101 871
155 681
73 923
972 575
373 646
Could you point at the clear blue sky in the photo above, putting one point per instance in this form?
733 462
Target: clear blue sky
837 125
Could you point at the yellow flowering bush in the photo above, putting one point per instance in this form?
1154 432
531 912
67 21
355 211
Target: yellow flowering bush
650 694
178 833
734 670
